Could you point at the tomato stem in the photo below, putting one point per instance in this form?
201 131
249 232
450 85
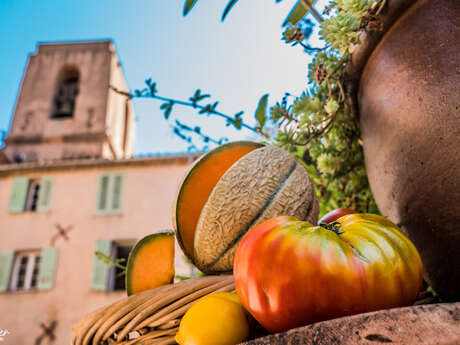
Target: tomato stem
334 226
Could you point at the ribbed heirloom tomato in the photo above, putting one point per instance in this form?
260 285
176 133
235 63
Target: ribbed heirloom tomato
289 273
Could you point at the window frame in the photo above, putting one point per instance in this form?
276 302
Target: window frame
32 265
108 196
112 275
68 75
33 194
32 197
104 275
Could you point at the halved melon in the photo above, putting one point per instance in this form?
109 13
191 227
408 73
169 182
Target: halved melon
198 185
265 183
231 189
150 263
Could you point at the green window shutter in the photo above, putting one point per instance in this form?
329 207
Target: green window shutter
6 263
18 194
117 190
100 268
45 193
47 271
102 196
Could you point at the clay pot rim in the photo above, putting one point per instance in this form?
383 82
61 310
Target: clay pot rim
392 11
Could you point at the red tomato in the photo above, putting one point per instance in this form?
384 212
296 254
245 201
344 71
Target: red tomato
289 273
333 215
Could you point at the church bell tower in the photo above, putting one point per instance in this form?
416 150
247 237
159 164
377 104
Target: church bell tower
67 108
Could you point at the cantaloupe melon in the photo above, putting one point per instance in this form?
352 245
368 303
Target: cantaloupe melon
150 263
263 183
197 186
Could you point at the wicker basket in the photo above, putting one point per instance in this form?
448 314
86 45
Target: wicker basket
149 317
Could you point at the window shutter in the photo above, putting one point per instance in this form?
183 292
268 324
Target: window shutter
45 193
6 263
117 190
18 194
101 269
103 191
47 271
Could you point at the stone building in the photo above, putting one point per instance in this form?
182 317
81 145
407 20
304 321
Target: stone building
69 185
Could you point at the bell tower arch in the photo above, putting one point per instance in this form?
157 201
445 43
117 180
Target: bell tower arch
66 92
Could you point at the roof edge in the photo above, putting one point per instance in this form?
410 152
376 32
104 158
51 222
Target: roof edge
7 169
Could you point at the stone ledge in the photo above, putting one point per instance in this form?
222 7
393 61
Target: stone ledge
430 324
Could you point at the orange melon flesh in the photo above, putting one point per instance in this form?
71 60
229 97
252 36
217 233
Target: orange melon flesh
199 184
150 263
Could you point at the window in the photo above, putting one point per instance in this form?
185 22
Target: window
109 200
66 93
116 276
27 270
31 194
106 277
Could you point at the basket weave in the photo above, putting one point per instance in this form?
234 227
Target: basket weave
149 317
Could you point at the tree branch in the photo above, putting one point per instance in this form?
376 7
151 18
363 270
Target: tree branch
145 93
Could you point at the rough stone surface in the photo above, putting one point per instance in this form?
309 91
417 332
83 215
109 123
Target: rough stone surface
432 324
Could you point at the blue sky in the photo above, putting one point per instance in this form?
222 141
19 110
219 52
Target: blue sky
236 61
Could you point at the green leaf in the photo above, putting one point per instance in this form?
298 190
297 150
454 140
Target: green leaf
188 6
238 123
177 276
195 98
331 106
168 112
206 110
261 111
296 14
167 107
104 258
153 89
358 7
183 126
341 30
227 9
203 97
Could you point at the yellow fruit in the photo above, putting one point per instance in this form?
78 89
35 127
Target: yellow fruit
217 319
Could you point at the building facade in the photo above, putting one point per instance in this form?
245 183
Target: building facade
67 107
70 186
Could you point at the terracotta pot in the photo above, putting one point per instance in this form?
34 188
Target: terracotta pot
404 85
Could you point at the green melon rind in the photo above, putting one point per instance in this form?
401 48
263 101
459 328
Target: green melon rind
133 253
265 183
189 174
